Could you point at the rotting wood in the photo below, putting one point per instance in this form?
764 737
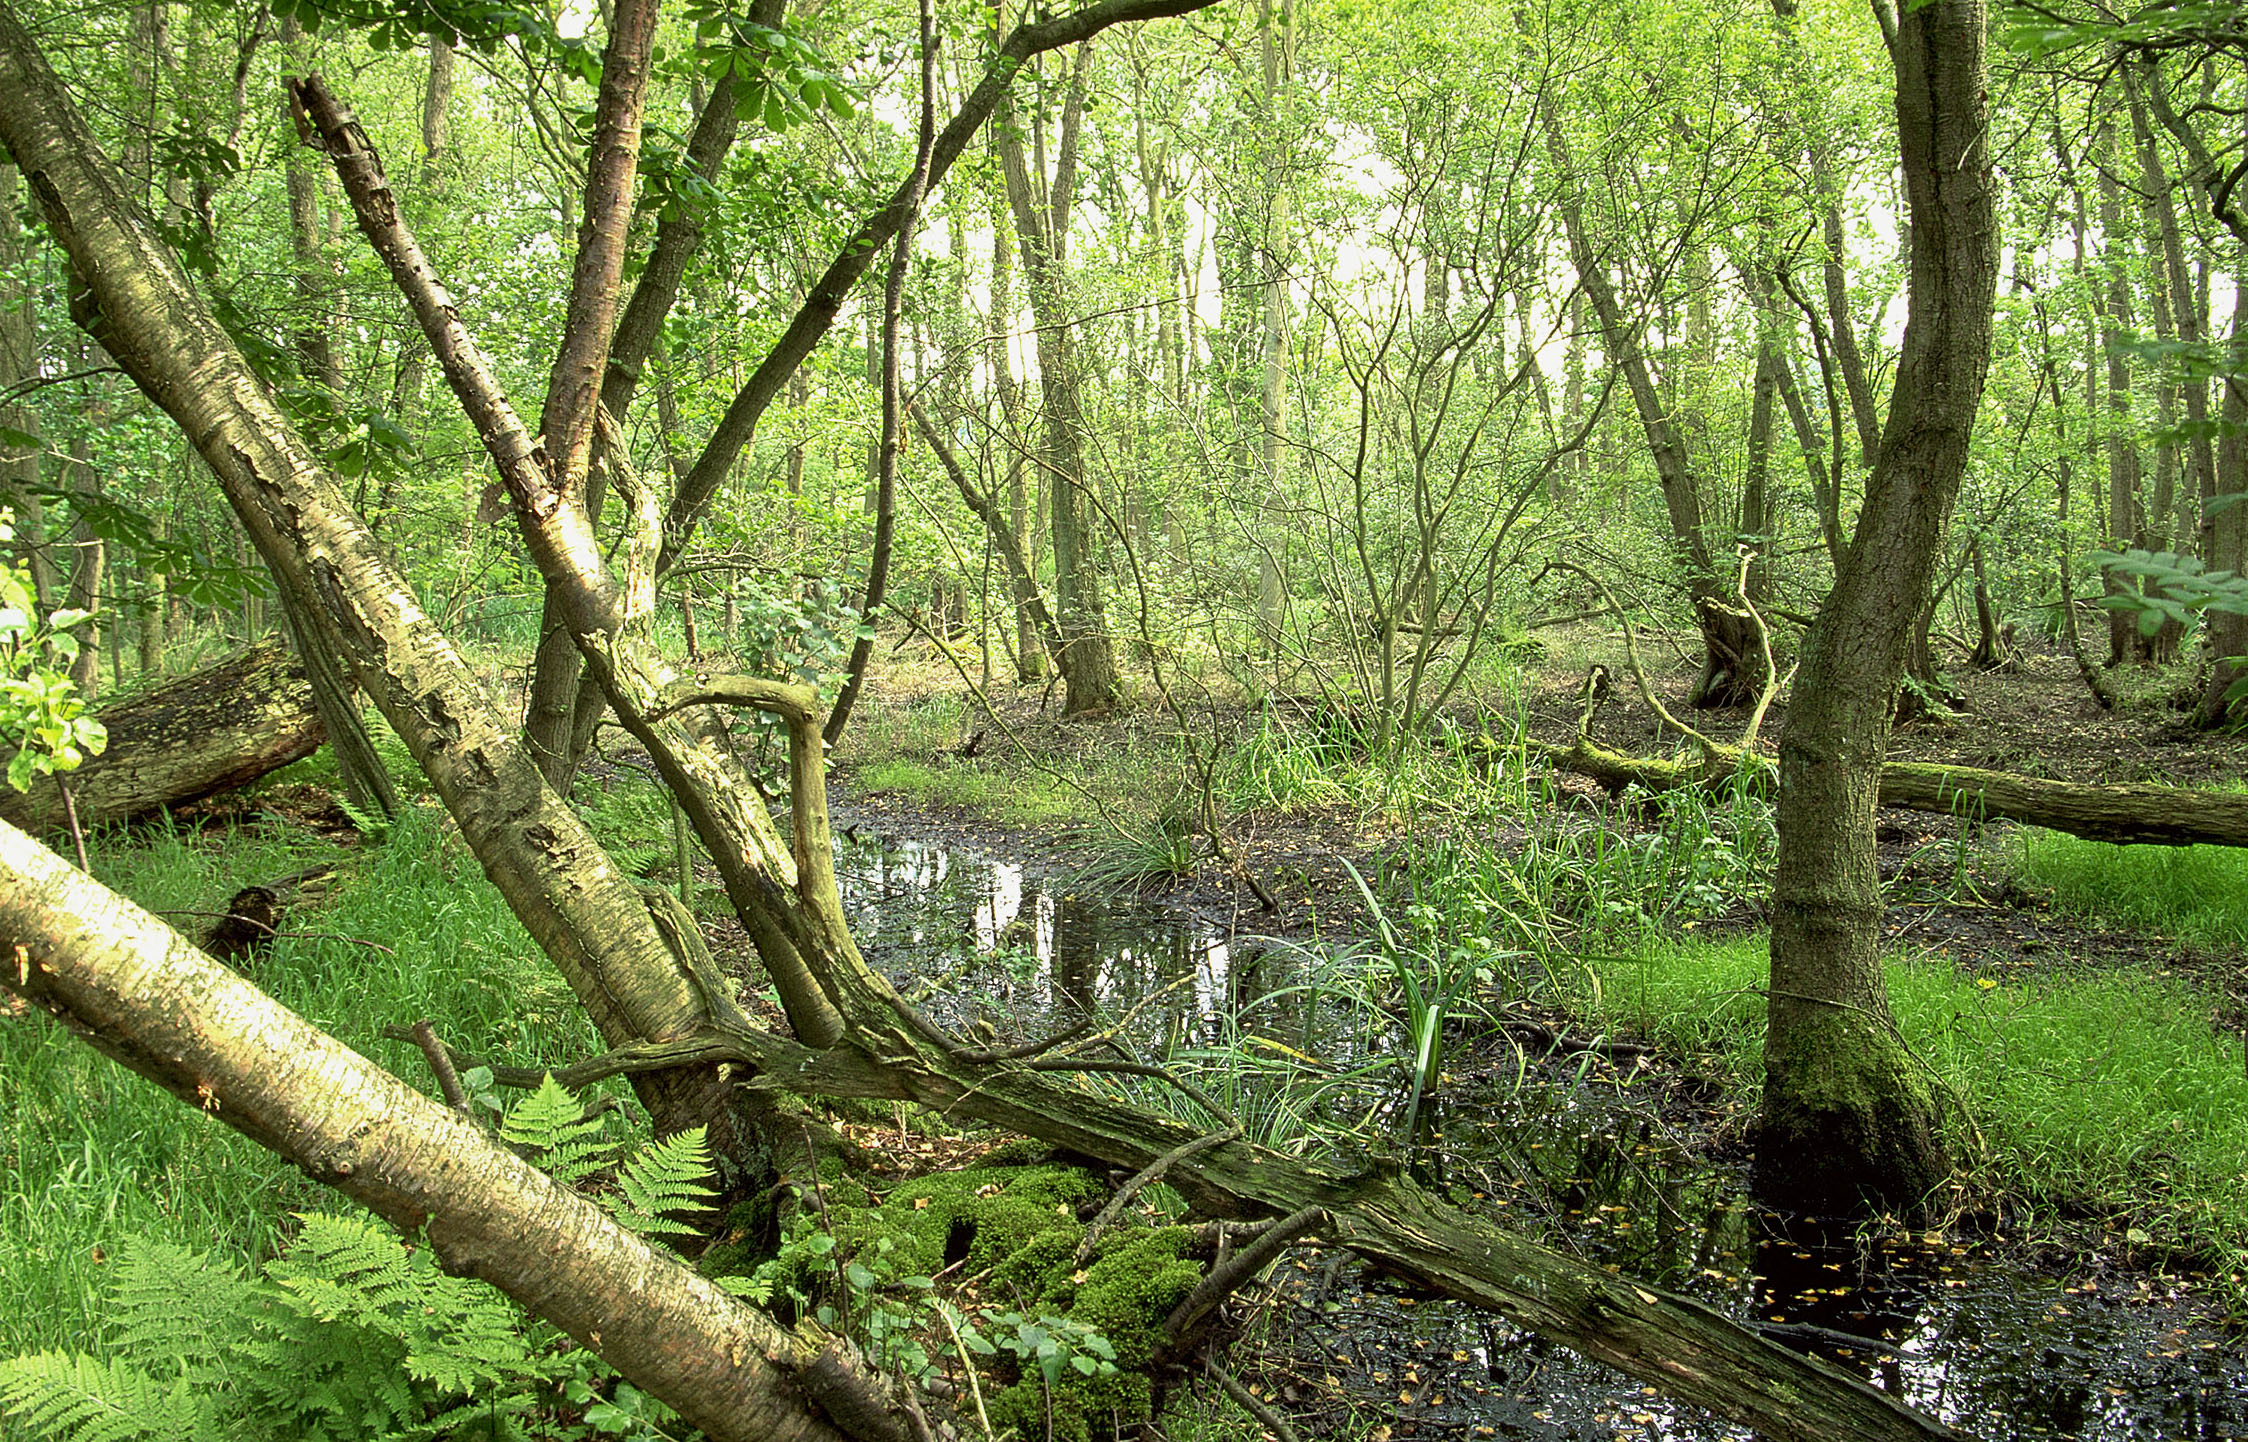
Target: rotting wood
2138 813
210 731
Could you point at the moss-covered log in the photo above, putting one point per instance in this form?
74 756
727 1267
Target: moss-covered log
1671 1342
2157 815
208 732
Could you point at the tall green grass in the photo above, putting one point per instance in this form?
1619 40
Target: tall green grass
94 1154
2196 895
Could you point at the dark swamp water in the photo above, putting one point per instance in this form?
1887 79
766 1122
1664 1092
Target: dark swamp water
1582 1159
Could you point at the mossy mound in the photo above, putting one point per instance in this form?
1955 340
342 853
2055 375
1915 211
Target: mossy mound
1017 1228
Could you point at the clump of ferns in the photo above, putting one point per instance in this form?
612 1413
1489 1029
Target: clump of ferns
353 1332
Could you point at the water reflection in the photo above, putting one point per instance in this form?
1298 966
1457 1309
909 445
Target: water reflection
1575 1151
1031 949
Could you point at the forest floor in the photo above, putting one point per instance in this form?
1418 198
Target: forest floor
928 768
2034 717
901 776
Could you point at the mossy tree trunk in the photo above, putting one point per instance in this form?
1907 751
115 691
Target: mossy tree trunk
1848 1119
219 728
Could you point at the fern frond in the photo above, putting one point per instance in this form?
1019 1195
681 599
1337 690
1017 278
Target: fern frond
457 1335
752 1288
77 1398
666 1176
172 1303
552 1125
374 828
346 1269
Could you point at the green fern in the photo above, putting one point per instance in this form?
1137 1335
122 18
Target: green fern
456 1335
173 1303
374 828
552 1126
351 1335
665 1176
80 1399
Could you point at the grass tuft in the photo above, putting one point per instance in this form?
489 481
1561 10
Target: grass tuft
2195 895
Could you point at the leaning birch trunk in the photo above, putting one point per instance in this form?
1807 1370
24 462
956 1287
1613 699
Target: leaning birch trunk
585 914
143 994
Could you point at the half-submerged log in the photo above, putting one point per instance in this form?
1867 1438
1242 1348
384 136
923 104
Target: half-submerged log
2155 815
210 731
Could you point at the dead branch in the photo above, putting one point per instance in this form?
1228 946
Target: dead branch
1183 1329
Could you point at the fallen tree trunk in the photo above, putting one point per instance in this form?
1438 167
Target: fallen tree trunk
2152 815
210 731
1686 1350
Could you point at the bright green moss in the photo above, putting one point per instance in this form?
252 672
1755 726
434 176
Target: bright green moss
1020 1225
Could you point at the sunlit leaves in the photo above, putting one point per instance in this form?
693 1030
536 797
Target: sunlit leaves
481 25
42 715
780 78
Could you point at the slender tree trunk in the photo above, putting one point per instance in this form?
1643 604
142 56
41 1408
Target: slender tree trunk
88 565
19 362
2225 539
1848 1120
1841 333
563 710
1088 661
2123 523
1732 666
1030 641
2174 280
1276 42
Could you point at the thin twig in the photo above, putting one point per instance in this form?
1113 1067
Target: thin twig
1228 1277
1266 1418
1138 1068
1631 652
424 1033
968 1365
1144 1177
77 835
1025 1051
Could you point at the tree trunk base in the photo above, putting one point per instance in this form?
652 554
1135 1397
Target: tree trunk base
1849 1122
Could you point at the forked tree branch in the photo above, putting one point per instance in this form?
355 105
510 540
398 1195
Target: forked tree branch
554 524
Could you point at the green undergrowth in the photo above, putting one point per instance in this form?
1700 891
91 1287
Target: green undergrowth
94 1154
1023 798
2195 895
1059 1349
2106 1095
